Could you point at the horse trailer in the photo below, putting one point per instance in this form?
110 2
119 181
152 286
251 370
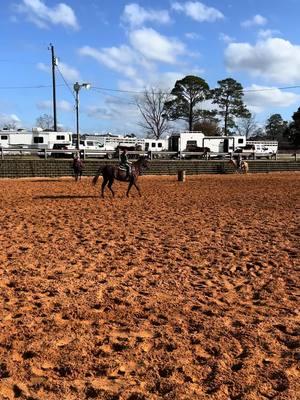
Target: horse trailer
35 139
183 141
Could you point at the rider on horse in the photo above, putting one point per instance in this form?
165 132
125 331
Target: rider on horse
125 163
239 162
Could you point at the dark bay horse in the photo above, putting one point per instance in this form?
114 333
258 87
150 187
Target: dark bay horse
77 168
112 172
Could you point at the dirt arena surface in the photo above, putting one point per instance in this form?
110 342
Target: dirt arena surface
189 292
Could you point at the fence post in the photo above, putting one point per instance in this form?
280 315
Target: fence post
181 176
46 155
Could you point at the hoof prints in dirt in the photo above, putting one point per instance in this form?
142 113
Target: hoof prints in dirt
191 301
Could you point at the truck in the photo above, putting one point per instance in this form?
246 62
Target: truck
259 149
94 148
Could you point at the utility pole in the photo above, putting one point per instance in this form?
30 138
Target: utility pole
77 86
54 63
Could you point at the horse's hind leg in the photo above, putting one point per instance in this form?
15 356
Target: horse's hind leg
111 181
105 180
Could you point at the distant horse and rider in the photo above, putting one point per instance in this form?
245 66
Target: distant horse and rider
77 167
125 172
240 165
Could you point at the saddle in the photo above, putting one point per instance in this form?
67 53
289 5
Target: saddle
121 171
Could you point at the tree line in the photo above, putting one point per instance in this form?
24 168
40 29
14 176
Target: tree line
214 112
218 111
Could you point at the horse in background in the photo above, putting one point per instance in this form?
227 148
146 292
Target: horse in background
77 168
243 168
112 172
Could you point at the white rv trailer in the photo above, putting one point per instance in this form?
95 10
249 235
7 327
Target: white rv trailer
115 141
183 141
35 139
155 144
130 142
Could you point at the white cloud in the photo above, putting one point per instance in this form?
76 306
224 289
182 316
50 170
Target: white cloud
259 98
192 35
136 15
226 38
198 11
9 119
267 33
155 46
61 105
119 59
274 59
121 114
69 73
257 20
37 12
43 67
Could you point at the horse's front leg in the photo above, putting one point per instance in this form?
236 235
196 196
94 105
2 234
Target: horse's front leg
129 187
137 188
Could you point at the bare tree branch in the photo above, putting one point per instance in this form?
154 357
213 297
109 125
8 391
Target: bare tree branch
151 106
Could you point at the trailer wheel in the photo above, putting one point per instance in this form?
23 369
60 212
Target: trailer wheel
109 156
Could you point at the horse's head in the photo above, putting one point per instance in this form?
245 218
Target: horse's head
143 162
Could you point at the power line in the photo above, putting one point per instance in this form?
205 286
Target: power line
242 90
136 91
66 83
121 99
27 87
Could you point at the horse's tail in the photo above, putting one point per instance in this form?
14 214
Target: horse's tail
96 177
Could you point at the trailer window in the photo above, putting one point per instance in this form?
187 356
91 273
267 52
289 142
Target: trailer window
4 137
38 140
60 137
153 144
159 144
90 143
191 143
240 140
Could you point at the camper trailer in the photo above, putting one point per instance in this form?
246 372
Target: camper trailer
155 144
35 139
185 141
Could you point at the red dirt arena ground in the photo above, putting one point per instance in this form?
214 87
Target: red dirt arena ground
189 292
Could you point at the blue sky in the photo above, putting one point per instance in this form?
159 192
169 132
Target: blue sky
123 47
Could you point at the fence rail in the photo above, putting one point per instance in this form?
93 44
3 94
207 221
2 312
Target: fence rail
161 155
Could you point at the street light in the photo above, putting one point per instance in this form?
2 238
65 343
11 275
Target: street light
77 86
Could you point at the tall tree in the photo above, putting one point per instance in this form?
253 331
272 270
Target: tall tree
229 98
247 126
275 127
45 121
151 106
188 94
208 126
293 129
